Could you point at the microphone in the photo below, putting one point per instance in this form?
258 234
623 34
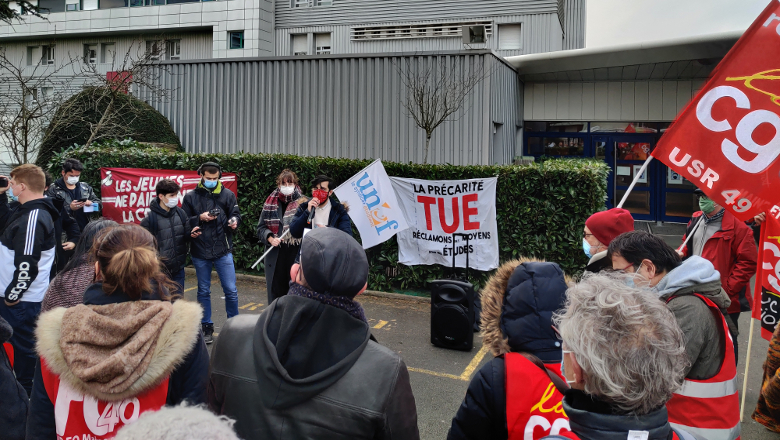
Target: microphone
311 214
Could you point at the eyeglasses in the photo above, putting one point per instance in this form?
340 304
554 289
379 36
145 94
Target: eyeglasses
586 235
623 270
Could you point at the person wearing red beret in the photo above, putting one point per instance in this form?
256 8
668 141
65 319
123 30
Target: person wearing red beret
600 229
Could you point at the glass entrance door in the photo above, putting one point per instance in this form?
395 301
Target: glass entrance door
630 153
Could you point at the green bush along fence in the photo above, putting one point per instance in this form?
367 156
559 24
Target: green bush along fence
541 207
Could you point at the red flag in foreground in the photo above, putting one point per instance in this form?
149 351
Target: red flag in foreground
767 290
727 140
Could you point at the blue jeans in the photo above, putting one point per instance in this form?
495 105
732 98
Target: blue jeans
22 318
227 276
178 278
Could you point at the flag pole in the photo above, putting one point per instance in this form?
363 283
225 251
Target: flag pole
693 231
636 177
269 250
747 366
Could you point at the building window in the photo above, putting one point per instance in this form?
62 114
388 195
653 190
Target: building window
426 30
48 55
111 4
89 5
300 4
30 96
300 44
510 37
72 7
107 53
33 55
49 6
173 49
322 43
154 49
48 93
323 2
236 40
90 53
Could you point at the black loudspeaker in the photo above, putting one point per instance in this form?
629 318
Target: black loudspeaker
452 314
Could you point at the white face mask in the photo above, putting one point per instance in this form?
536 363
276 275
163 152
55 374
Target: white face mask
72 180
172 202
287 190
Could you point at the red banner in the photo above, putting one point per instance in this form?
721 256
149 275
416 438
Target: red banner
767 289
727 140
127 192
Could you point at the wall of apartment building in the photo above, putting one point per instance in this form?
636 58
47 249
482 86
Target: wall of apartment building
537 33
255 18
573 19
336 106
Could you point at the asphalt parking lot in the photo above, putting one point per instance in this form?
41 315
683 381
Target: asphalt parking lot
440 377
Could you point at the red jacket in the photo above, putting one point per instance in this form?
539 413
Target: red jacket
733 252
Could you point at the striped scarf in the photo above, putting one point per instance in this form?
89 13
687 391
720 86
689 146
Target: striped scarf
272 220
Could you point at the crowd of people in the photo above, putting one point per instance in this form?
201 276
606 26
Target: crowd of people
98 342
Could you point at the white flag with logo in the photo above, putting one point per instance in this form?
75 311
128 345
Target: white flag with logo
372 204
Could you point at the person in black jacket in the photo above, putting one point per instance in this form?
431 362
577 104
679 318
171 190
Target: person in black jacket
154 354
170 225
27 247
517 306
306 368
65 226
327 212
74 195
14 403
214 209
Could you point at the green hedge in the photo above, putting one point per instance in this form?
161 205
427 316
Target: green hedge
541 208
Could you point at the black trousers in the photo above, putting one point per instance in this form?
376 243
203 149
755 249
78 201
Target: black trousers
735 318
284 261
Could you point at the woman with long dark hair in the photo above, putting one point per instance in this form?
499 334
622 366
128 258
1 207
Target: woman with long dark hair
67 288
127 350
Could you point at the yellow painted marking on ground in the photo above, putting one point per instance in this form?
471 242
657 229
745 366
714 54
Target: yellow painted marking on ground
255 307
435 373
380 324
245 306
474 363
191 288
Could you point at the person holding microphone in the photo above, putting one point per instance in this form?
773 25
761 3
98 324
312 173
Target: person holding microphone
272 230
320 211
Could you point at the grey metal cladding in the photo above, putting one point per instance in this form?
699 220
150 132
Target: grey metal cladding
377 11
333 107
573 24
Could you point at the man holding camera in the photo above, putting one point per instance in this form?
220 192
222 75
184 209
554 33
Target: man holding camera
214 209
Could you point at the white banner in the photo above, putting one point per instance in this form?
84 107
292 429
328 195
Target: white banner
436 210
372 204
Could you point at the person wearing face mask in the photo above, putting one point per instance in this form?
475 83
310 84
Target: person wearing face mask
73 193
278 212
27 249
214 210
600 229
320 211
171 226
729 245
707 404
624 356
518 302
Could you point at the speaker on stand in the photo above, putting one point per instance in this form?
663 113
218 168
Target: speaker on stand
452 308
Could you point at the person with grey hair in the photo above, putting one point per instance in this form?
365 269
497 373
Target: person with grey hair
181 422
624 356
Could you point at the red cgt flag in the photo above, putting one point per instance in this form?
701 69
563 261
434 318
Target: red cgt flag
767 289
727 140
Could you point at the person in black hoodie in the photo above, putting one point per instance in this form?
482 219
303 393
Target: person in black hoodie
27 247
306 367
127 350
214 209
327 212
170 225
15 403
66 225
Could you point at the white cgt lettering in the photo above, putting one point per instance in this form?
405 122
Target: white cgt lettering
765 154
539 421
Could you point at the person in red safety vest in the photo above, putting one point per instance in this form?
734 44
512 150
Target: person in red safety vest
14 401
624 356
707 404
127 350
517 394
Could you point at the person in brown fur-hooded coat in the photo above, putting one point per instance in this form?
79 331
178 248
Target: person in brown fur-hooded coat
126 350
767 410
517 307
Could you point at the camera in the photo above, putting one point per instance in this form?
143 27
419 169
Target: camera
214 212
3 182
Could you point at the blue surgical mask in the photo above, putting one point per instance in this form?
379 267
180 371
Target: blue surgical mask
10 193
586 248
210 184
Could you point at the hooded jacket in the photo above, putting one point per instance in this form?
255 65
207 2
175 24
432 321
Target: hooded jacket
517 306
591 419
767 410
338 218
216 239
29 240
171 229
59 190
113 348
703 342
303 369
14 402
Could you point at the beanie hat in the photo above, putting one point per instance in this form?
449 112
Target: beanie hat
333 262
606 225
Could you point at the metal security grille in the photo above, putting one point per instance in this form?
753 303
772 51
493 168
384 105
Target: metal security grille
427 30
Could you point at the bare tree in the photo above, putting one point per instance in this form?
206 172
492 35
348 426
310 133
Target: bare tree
435 88
10 13
30 97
